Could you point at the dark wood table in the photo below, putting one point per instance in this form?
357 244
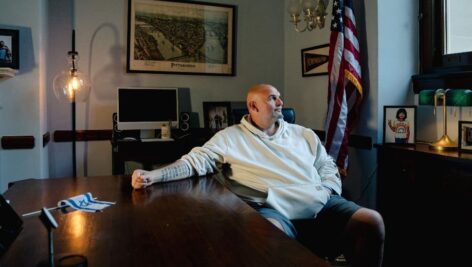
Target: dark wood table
192 222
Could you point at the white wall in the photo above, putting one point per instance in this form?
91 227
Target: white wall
307 95
22 109
398 55
101 32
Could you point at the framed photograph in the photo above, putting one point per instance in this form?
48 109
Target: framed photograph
9 49
315 60
181 37
399 125
216 115
465 136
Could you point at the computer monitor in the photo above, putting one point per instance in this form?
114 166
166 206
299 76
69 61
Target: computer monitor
147 108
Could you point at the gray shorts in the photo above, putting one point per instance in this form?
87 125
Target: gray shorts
323 234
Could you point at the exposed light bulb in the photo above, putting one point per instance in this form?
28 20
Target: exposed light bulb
69 87
314 14
73 85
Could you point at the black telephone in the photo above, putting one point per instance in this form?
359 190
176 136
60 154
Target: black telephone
10 225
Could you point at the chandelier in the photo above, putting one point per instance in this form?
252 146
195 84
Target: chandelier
314 13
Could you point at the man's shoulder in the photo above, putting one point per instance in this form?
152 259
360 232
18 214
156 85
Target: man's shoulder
298 128
235 128
303 132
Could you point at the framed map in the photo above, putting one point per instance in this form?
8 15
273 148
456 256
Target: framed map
181 37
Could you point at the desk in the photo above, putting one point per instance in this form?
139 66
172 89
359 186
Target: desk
192 222
150 153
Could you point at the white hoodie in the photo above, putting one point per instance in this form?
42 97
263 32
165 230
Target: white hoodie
291 166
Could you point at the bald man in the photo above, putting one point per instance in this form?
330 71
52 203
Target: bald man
287 163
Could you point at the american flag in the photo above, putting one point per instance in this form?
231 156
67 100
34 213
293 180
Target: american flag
345 88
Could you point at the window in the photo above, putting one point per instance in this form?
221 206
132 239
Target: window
445 45
457 32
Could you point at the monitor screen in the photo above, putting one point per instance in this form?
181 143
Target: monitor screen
147 108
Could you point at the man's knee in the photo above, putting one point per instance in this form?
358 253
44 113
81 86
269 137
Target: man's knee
276 223
367 222
283 226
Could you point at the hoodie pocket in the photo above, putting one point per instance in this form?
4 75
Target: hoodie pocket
298 201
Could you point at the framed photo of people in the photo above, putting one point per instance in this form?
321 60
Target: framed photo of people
465 136
399 125
315 60
9 49
181 37
221 114
217 115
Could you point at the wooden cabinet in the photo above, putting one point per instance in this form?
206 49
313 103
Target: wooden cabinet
425 197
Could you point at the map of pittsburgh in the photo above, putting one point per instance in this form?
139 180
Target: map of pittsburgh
191 39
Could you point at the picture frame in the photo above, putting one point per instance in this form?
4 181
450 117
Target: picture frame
9 49
177 37
465 136
315 60
397 129
217 115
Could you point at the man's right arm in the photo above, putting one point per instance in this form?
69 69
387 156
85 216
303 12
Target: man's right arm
175 171
200 161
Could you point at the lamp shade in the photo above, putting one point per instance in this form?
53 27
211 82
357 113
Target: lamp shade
456 97
426 97
459 98
294 7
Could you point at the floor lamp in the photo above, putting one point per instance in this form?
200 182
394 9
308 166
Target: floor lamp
72 86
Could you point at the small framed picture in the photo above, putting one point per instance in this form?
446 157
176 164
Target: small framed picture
9 49
315 60
465 136
399 125
216 115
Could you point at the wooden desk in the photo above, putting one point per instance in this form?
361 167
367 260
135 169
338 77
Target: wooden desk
192 222
150 153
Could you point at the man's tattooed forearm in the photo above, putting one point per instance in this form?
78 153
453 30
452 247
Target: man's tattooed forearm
175 171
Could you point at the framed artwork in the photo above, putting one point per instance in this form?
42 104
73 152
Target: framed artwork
399 125
315 60
181 37
465 136
216 115
9 49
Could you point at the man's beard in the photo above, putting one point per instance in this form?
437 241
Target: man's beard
278 115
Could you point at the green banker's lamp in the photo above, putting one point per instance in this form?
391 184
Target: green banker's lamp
445 97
